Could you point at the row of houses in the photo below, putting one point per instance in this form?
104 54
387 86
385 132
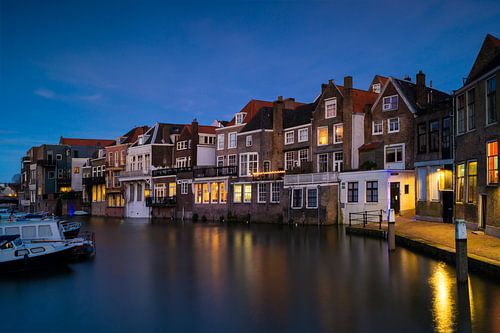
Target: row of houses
397 144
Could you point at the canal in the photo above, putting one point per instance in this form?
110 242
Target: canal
238 278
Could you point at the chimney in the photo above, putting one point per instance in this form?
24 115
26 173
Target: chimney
421 96
347 115
195 139
289 103
278 107
348 86
277 134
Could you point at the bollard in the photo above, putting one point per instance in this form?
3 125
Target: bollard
461 250
391 233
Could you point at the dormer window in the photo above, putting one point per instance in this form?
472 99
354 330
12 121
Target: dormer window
140 139
181 145
390 103
330 108
376 88
239 117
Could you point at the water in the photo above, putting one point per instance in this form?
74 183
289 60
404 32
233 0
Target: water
262 278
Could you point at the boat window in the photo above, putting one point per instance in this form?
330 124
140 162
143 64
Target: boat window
37 250
29 231
44 231
7 245
12 230
21 253
18 242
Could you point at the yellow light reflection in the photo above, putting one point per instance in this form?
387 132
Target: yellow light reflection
442 300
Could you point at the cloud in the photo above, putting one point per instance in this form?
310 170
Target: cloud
45 93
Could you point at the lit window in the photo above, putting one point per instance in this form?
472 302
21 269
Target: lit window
377 127
247 197
249 140
491 104
312 198
492 162
330 108
393 125
215 192
237 193
390 103
297 198
338 133
220 141
460 182
303 134
471 181
322 136
289 137
223 193
232 140
172 189
206 193
198 192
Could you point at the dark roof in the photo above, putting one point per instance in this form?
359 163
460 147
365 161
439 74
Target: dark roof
85 142
487 58
300 116
251 108
131 136
408 89
160 133
263 119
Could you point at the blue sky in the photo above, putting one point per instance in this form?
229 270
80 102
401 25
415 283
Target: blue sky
97 68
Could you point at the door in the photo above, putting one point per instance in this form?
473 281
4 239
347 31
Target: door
482 221
395 197
447 197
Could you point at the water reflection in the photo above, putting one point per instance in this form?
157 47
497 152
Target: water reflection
442 300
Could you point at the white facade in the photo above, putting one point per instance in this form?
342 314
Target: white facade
366 198
358 137
77 173
205 155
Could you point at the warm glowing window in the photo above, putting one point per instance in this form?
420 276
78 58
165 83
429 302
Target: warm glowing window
206 193
248 193
223 193
492 162
199 192
460 182
471 181
338 133
322 136
215 192
76 170
237 193
172 189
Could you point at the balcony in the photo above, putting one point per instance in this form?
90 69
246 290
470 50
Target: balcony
170 171
311 178
216 171
269 175
133 175
115 165
94 180
159 202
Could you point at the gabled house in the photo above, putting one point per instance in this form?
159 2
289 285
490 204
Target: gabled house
477 137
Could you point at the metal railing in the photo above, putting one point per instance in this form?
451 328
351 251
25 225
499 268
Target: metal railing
367 216
170 171
134 173
311 178
231 170
161 201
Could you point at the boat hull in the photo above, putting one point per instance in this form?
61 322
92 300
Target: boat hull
57 258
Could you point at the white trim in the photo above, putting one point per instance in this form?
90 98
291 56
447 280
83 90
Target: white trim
373 127
334 135
229 140
327 136
482 77
400 93
258 193
229 127
293 137
296 127
326 102
307 197
298 134
389 125
249 132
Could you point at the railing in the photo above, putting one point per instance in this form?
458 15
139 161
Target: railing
161 201
311 178
135 173
115 164
170 171
216 171
367 216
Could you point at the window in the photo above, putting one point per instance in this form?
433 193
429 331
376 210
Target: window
377 127
198 193
297 198
220 141
422 184
248 140
184 188
471 111
237 193
338 161
206 193
248 164
289 137
220 161
433 180
76 170
352 192
330 108
422 138
223 193
338 133
275 192
491 104
247 196
434 135
232 140
28 231
460 182
131 193
44 231
376 88
181 145
312 198
139 192
390 103
172 189
262 193
240 117
460 114
58 157
393 124
231 160
394 154
323 163
471 181
215 192
303 155
303 134
492 162
446 138
267 166
407 188
322 136
289 160
372 191
181 162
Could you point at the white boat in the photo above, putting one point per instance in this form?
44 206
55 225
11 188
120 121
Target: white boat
19 255
80 213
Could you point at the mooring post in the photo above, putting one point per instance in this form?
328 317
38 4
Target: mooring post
461 250
391 234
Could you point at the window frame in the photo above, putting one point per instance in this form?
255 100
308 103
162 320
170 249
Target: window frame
374 124
471 185
390 105
261 199
220 143
371 194
335 127
229 135
318 131
301 131
248 142
328 102
487 104
314 189
389 123
488 156
318 162
301 191
352 193
275 189
289 135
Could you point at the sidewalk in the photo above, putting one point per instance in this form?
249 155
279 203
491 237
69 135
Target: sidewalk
442 236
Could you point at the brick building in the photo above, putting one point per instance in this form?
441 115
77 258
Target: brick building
477 130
